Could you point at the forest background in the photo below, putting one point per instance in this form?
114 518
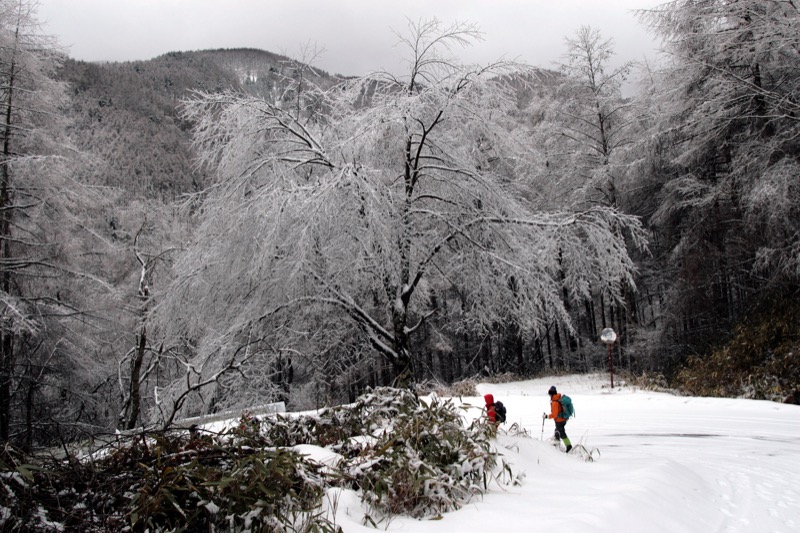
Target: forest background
213 230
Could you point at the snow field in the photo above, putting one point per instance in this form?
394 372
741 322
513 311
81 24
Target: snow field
668 464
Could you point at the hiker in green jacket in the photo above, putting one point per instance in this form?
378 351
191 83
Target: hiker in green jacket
556 415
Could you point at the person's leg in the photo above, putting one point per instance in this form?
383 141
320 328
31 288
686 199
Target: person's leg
561 431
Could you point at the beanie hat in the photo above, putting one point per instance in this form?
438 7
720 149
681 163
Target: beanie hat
552 390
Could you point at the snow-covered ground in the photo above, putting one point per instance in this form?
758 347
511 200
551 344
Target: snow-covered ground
667 464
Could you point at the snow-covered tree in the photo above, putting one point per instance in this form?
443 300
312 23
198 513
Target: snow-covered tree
593 122
586 128
49 273
27 95
345 215
726 110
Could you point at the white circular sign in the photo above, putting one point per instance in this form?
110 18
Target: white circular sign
608 336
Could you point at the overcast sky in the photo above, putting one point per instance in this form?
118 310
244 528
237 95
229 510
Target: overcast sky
357 35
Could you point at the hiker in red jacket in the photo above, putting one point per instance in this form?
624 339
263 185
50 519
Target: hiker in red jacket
491 414
555 414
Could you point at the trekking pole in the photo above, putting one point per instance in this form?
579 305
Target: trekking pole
542 436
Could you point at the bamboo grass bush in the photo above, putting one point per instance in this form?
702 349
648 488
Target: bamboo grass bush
401 454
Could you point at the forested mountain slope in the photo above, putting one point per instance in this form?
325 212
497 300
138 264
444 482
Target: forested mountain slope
127 114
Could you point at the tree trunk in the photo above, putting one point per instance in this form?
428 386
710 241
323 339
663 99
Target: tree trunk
6 372
29 412
6 213
403 370
136 375
402 362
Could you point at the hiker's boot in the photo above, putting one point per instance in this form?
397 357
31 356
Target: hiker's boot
569 447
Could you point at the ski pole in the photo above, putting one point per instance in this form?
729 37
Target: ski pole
542 436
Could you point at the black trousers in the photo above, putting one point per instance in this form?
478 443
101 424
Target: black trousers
561 431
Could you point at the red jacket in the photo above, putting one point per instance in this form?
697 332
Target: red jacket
555 408
490 412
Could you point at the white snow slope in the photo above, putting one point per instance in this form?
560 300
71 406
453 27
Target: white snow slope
668 464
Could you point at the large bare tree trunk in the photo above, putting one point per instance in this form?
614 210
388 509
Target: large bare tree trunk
6 213
135 394
136 376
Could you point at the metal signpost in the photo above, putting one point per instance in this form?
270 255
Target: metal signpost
608 337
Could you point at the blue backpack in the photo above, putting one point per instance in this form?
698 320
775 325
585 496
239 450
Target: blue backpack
567 409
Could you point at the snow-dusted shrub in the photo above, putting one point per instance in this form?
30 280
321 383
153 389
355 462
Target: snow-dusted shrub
334 427
759 362
423 460
168 483
651 381
465 387
228 488
405 456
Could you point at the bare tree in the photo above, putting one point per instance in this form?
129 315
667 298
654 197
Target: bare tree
28 93
50 273
139 370
593 120
376 193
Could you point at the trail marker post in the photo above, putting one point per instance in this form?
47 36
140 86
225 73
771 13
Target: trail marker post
608 337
